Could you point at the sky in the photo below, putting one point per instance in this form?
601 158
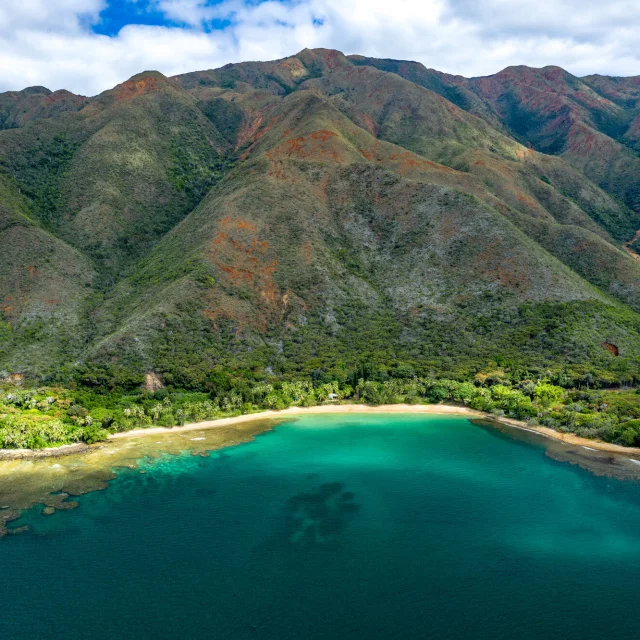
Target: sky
87 46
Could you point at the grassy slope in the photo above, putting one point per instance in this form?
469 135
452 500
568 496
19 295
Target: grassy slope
19 107
114 177
330 245
591 122
532 187
44 284
367 218
94 190
538 190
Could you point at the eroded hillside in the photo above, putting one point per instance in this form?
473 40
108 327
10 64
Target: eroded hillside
320 211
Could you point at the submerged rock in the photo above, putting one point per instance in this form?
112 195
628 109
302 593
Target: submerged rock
319 517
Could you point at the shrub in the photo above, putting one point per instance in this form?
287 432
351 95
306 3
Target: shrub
548 394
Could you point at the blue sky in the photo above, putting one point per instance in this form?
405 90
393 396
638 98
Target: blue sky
87 46
120 13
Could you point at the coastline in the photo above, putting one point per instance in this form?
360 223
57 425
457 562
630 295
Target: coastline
52 477
432 409
569 438
50 452
442 409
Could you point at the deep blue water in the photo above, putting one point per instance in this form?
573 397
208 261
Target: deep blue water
377 526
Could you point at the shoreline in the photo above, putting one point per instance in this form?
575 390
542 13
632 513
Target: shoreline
432 409
569 438
441 409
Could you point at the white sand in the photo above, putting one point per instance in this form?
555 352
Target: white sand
433 409
293 411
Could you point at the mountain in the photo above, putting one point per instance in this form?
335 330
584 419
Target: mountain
320 214
591 122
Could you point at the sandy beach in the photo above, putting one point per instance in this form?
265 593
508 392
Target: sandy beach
299 411
570 438
432 409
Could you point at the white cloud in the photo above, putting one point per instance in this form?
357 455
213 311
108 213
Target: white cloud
61 15
50 42
192 12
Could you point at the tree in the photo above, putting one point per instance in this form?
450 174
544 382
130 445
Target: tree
548 394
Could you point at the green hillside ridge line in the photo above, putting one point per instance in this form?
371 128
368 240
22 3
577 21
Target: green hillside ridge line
316 216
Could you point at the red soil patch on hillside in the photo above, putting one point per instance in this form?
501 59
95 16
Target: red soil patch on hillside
13 305
406 163
523 153
584 142
63 96
40 106
249 131
370 125
612 348
7 305
245 263
293 68
307 252
319 146
241 262
33 272
134 88
332 58
314 146
526 199
372 154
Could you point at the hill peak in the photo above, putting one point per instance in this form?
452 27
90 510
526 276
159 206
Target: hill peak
140 84
34 91
144 75
327 58
549 72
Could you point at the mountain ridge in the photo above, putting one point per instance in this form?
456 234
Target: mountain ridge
307 214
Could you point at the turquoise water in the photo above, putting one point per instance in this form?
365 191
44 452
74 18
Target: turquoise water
338 527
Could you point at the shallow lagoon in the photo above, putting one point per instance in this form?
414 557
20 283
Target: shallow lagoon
336 526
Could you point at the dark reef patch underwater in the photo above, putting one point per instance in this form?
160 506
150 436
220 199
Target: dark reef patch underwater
336 526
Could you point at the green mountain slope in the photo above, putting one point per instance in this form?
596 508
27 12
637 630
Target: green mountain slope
19 107
308 215
591 122
44 287
115 176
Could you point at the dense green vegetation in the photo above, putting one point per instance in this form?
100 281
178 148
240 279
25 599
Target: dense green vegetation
50 416
39 176
308 222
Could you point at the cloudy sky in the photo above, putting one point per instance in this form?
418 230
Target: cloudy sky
91 45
